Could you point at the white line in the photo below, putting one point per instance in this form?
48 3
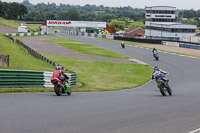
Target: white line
195 131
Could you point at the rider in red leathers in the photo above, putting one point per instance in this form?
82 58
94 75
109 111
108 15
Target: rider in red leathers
58 73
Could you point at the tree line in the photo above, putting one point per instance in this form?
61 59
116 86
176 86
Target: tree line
127 17
190 16
12 10
42 11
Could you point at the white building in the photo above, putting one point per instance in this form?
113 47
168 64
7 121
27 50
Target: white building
162 22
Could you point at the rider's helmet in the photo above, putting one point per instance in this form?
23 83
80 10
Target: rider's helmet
156 68
57 67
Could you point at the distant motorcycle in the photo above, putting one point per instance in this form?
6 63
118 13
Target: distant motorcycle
155 54
59 88
164 87
122 44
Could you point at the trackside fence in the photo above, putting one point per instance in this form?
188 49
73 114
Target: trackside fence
71 74
26 78
36 54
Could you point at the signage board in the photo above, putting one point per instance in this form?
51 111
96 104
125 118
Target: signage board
76 23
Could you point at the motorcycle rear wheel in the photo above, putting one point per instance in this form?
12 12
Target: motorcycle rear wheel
169 90
162 90
58 90
157 58
69 92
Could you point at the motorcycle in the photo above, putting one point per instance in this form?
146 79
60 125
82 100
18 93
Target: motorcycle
59 88
156 56
123 45
164 87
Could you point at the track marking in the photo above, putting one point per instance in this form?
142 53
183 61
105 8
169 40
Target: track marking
195 131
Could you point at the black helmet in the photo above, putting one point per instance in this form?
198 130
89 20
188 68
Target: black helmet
156 68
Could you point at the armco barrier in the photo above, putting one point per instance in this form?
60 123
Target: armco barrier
26 78
18 78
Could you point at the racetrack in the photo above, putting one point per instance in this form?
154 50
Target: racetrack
139 110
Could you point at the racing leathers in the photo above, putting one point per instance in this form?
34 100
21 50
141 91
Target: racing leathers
61 75
159 74
154 52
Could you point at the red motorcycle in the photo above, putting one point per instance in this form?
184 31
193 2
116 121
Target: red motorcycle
59 88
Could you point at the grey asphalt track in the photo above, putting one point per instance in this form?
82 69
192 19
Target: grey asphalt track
139 110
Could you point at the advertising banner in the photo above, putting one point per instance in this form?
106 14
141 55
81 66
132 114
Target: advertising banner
76 23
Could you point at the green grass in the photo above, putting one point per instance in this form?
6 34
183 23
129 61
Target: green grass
13 90
9 23
34 26
105 76
93 75
19 58
14 24
85 48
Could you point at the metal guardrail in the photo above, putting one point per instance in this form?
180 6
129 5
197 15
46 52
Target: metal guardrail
20 78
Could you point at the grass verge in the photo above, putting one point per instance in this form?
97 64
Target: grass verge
105 76
85 48
19 58
14 90
9 23
14 24
93 75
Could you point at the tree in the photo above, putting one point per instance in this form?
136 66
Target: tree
1 11
137 24
50 16
13 10
73 15
23 10
118 25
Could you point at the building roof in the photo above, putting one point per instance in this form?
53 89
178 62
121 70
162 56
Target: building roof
198 34
133 29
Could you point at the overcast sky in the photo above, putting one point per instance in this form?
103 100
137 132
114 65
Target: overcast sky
179 4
